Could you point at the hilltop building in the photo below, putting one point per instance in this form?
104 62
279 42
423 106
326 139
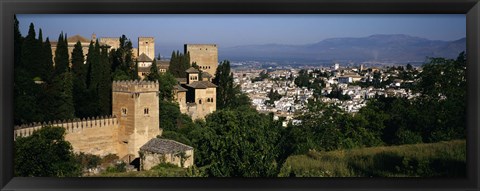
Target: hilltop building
195 96
133 123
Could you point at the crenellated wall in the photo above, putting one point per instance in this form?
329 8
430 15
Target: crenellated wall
97 136
135 86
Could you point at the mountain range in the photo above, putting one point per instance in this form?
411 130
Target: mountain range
378 48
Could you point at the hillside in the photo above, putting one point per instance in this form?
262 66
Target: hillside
387 48
443 159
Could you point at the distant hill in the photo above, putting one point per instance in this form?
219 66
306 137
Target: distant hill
389 48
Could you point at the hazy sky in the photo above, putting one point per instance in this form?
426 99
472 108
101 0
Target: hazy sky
233 30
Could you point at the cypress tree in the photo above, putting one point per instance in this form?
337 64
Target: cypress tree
90 56
30 53
96 70
226 89
172 67
46 68
61 55
63 105
153 75
79 81
105 84
18 40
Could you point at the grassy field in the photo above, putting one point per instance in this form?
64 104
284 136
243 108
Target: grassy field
443 159
162 170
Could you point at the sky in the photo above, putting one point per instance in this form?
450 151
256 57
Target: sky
173 31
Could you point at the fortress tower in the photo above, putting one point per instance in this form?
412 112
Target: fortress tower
146 45
205 55
136 105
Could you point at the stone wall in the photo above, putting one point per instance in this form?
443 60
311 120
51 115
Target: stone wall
205 55
113 42
150 159
97 136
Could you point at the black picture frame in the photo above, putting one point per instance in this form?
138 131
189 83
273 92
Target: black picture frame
471 8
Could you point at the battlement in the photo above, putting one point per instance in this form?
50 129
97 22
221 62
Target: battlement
135 86
200 45
74 125
146 37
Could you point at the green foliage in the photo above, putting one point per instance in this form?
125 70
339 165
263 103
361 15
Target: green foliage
236 144
179 63
263 75
88 160
194 65
104 87
153 75
274 96
337 93
326 127
166 82
59 98
61 55
122 64
444 159
118 167
228 94
45 153
173 135
17 46
31 52
303 79
46 62
26 98
79 71
161 170
171 119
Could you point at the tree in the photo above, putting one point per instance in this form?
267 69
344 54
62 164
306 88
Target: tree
226 89
31 52
166 82
409 67
194 65
442 103
60 94
105 84
79 72
61 55
18 41
237 144
46 69
123 66
45 153
179 63
303 79
154 74
274 96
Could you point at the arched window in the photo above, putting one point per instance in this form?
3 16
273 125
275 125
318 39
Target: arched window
200 101
145 111
124 111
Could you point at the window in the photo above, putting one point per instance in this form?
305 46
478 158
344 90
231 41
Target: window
124 111
200 101
208 99
145 111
